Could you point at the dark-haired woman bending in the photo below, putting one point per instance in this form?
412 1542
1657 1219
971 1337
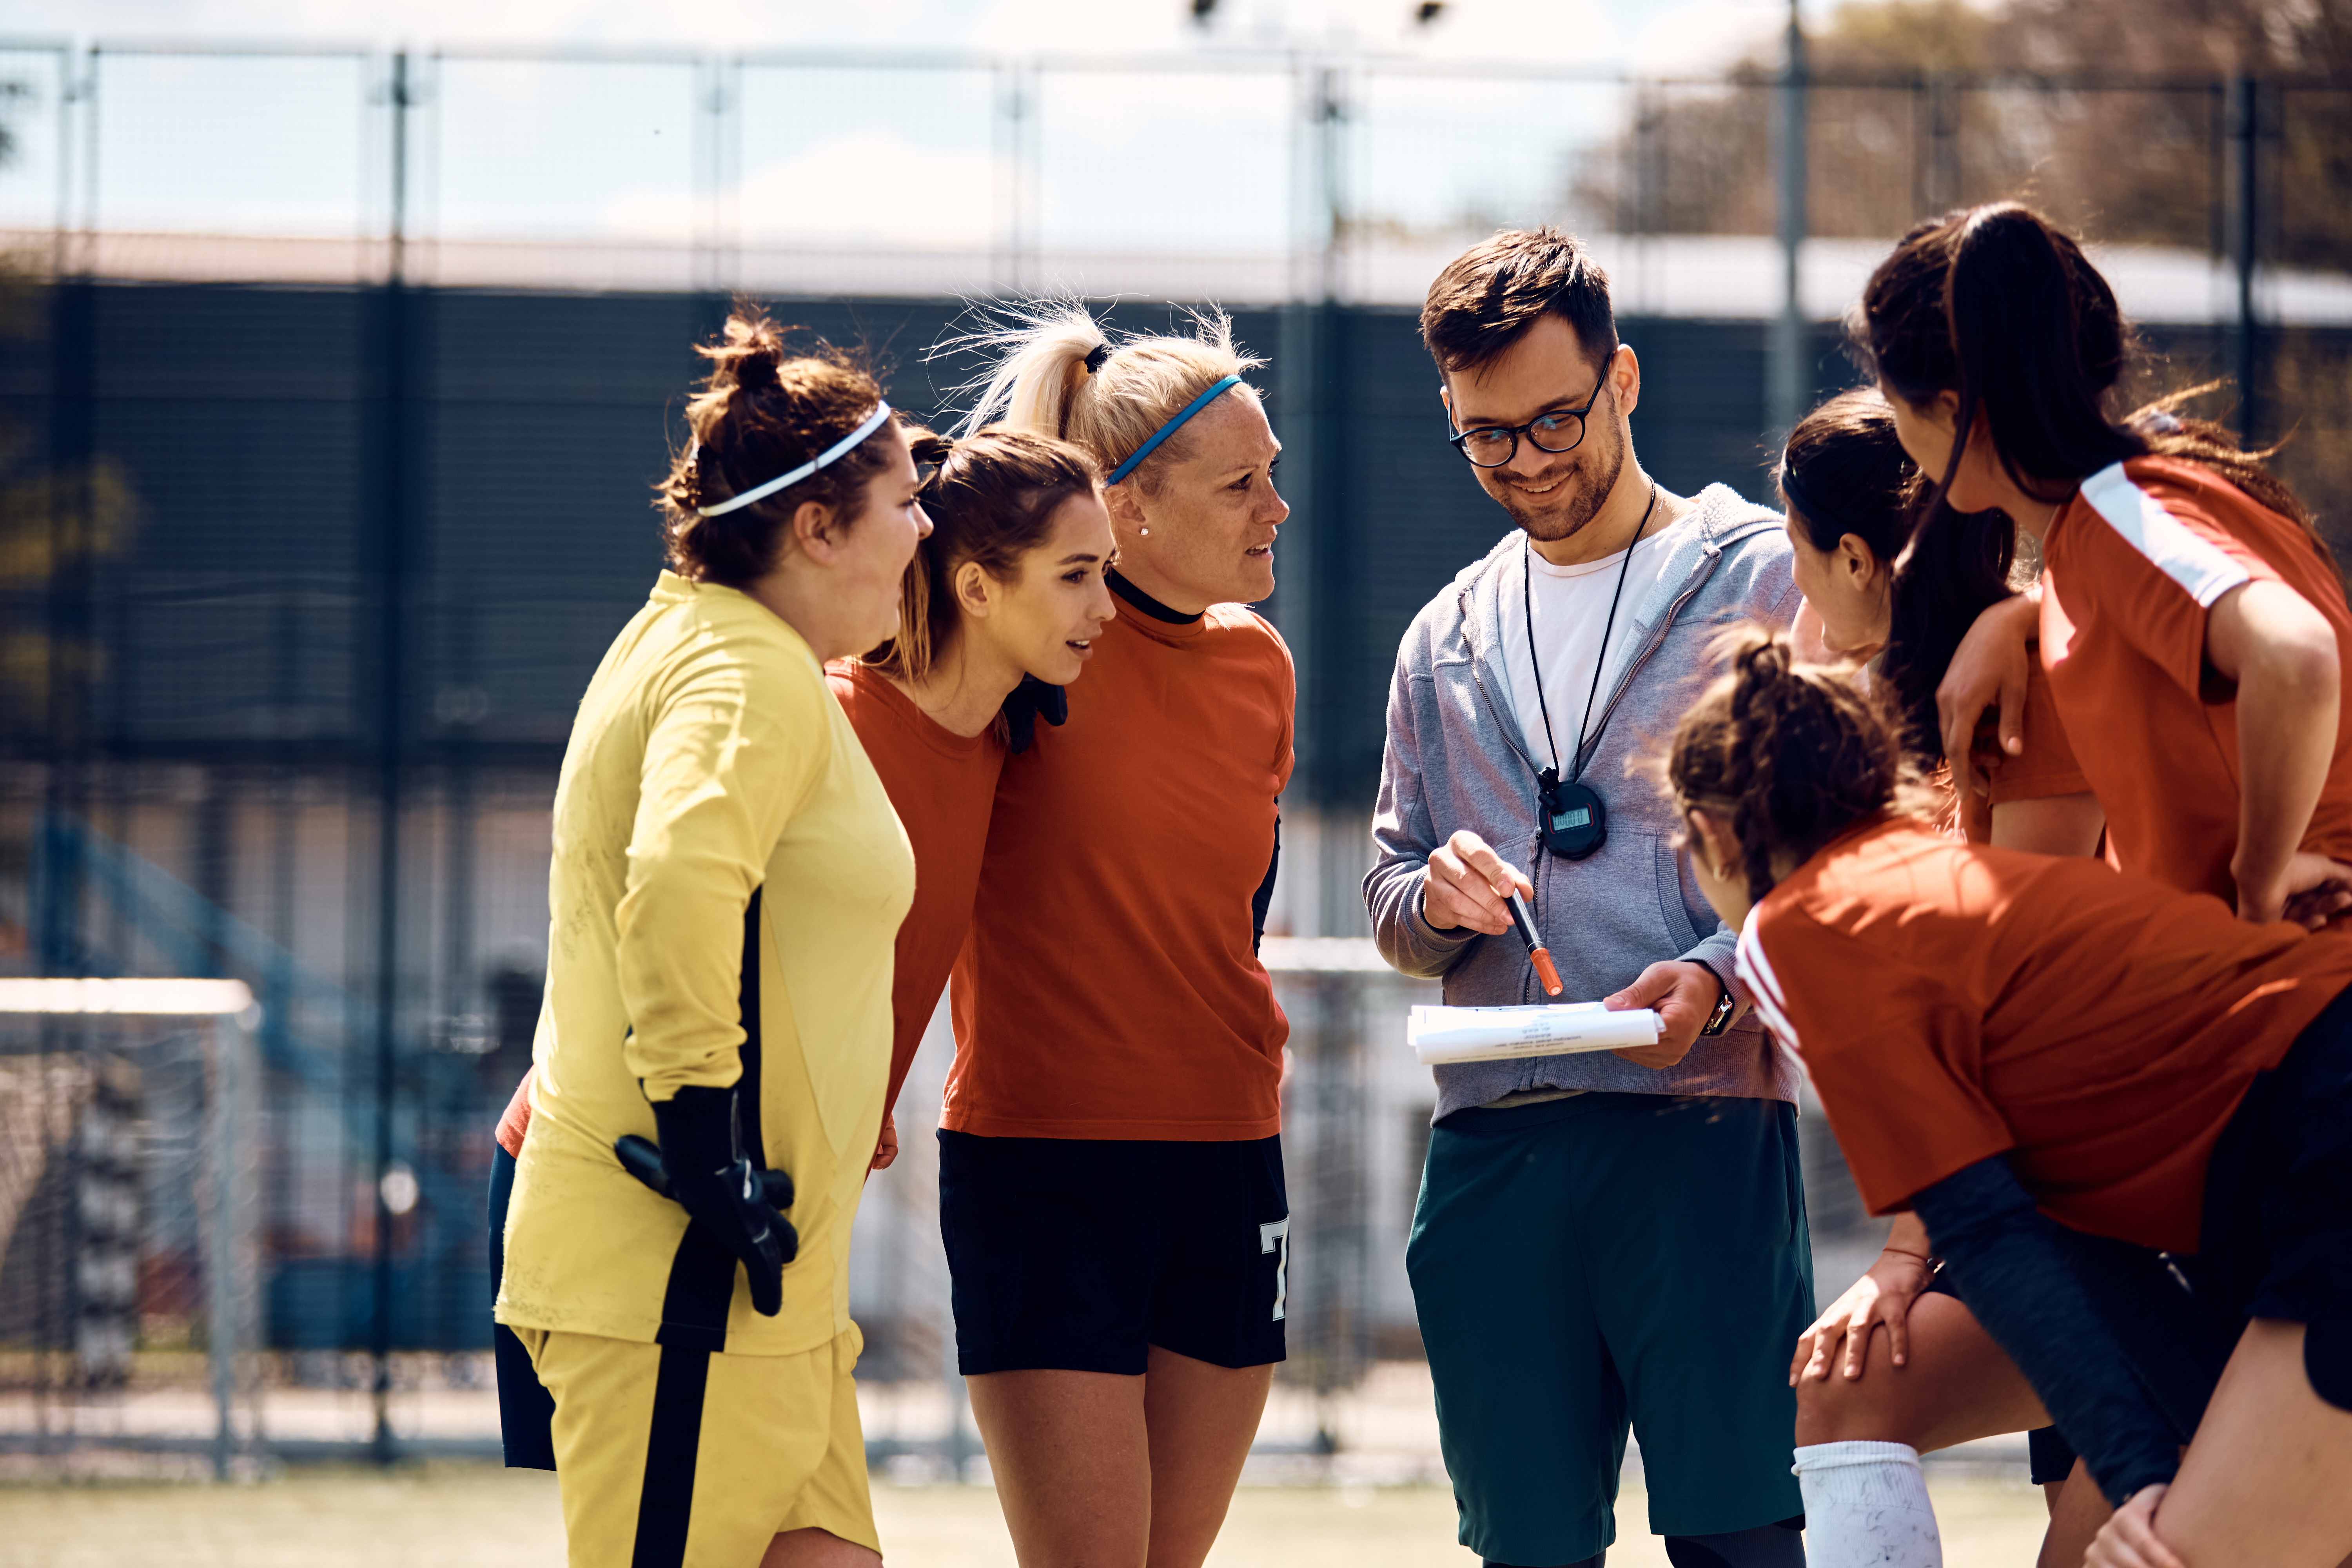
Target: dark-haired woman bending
2192 624
1933 1377
2050 1062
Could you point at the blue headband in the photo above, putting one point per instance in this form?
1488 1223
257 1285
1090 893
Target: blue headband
1215 390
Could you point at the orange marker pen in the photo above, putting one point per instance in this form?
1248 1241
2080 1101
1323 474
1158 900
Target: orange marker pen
1538 954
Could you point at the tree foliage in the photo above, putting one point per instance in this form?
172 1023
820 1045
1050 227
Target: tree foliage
2114 115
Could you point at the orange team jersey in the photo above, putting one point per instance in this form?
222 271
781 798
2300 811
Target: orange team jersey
2047 767
1953 1002
515 1120
2131 567
941 786
1111 989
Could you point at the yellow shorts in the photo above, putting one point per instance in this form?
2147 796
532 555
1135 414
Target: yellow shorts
675 1459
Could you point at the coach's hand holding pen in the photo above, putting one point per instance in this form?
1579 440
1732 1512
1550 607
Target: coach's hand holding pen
1539 955
1472 888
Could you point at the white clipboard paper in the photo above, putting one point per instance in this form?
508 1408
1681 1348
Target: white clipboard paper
1497 1033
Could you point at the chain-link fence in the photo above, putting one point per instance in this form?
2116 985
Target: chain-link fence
330 389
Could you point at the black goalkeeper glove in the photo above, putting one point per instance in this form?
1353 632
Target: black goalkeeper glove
1026 704
701 1165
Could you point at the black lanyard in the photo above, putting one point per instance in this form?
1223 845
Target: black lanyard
1569 816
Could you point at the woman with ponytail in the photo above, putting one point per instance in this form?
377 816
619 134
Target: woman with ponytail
708 1080
1897 1361
1111 1176
1899 599
2192 624
2060 1069
1010 587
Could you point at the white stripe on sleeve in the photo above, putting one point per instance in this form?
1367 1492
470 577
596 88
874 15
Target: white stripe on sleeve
1763 986
2204 572
1756 969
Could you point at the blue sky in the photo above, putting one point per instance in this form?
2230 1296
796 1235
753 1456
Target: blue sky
1165 163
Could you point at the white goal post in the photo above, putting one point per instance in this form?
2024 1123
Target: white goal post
230 1003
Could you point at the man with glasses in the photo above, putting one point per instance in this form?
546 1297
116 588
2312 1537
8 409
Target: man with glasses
1620 1237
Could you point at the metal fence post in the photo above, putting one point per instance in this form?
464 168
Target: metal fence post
1790 385
2245 131
391 565
221 1313
1015 84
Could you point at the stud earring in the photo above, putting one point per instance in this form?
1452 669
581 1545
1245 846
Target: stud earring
1145 532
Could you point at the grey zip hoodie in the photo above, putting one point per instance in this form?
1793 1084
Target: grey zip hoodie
1457 758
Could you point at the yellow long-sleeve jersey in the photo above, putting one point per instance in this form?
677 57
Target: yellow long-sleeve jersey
729 877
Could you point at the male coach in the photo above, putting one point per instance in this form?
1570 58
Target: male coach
1621 1236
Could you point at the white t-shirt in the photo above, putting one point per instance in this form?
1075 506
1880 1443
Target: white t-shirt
1570 604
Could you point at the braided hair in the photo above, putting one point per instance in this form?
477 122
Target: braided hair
1790 754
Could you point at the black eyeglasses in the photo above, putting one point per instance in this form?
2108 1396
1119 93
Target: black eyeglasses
1560 430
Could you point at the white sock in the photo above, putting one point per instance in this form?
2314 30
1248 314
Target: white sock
1867 1507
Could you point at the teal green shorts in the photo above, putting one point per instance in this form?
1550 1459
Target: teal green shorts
1606 1260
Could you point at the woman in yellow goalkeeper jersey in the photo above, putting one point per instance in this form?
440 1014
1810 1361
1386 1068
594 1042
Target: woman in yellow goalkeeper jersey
726 883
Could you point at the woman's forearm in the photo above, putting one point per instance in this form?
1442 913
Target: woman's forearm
1909 1233
2012 1272
2282 654
2286 739
1989 669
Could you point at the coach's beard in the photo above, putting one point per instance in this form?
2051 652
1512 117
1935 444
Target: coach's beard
1567 516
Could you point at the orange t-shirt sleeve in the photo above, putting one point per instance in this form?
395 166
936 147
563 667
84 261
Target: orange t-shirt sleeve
515 1121
2152 561
1893 1051
2048 766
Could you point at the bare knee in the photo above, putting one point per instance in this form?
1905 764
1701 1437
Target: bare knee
1871 1408
814 1548
1836 1409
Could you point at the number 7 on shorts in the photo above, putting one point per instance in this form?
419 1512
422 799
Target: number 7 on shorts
1276 1233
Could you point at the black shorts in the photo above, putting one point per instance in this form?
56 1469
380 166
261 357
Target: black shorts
1080 1254
2277 1239
526 1410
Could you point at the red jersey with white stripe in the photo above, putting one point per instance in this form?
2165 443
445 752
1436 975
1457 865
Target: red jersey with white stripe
1953 1002
2131 569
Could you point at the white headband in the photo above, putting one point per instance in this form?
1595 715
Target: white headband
761 492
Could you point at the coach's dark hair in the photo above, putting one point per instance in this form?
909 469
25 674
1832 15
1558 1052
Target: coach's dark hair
2000 308
1489 296
761 412
991 498
1790 756
1844 471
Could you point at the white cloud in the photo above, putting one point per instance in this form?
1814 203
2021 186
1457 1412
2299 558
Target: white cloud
867 188
1699 37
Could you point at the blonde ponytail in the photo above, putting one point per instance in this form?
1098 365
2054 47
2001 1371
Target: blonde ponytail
1042 384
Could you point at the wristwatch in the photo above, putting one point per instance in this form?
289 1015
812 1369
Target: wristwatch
1726 1004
